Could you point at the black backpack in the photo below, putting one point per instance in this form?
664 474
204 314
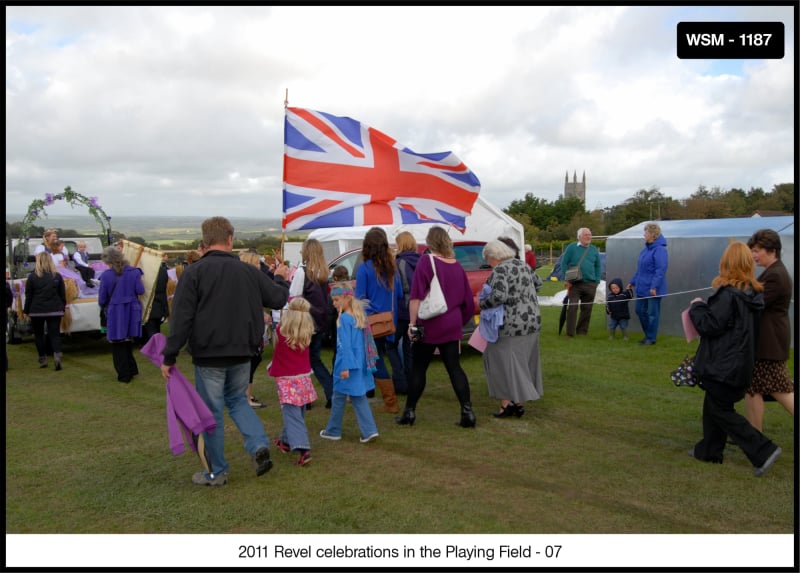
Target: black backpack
402 267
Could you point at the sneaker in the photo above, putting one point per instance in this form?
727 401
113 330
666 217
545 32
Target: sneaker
261 461
200 478
329 436
760 471
282 446
305 458
368 438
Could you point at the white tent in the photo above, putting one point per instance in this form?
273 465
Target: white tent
485 223
694 247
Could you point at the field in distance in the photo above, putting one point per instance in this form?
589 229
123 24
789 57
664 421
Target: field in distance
158 229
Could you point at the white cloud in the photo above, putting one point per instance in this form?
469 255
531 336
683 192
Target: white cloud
180 110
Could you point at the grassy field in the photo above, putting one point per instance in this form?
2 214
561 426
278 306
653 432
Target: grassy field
604 451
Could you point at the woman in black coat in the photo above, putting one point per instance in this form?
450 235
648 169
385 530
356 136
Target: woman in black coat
45 301
727 324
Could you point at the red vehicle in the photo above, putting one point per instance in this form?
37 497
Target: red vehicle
468 253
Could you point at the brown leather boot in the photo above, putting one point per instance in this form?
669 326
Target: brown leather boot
386 387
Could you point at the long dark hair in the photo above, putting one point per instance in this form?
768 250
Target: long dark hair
376 249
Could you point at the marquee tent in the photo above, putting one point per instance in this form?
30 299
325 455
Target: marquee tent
486 223
694 248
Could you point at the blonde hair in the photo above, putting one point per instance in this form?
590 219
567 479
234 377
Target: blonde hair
250 258
297 326
405 242
45 264
653 229
737 269
314 258
355 304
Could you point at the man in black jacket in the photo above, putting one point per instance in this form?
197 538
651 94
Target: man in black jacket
217 311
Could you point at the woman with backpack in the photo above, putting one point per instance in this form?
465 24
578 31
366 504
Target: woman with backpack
407 258
310 281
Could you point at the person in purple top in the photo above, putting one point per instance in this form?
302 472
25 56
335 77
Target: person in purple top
120 288
444 331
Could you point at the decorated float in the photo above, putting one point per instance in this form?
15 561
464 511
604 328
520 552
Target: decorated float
83 312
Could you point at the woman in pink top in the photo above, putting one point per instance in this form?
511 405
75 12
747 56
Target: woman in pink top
444 331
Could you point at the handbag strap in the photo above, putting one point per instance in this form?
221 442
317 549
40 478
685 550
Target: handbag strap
584 254
433 263
113 288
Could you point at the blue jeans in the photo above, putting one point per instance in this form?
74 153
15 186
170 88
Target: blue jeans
221 387
294 430
366 423
649 311
613 323
320 370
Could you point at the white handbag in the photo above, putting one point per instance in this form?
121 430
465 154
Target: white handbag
434 303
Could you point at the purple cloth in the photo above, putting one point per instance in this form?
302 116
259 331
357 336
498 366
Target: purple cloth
84 290
124 309
187 413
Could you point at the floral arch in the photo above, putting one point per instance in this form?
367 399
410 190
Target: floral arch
37 209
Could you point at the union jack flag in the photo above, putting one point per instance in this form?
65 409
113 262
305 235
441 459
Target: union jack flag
338 172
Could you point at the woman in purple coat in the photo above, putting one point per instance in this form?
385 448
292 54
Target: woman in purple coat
120 287
444 331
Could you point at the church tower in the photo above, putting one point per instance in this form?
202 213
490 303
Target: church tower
575 189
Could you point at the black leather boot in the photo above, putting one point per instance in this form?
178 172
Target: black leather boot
408 417
467 416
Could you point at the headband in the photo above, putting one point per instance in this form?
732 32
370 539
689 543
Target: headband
342 291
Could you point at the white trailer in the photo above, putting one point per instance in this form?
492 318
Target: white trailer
82 312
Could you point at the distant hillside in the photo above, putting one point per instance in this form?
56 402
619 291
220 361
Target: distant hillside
151 228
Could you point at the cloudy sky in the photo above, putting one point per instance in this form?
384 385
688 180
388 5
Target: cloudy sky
168 110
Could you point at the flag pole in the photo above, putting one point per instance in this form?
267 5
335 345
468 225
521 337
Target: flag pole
285 106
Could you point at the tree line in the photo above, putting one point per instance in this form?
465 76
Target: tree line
547 222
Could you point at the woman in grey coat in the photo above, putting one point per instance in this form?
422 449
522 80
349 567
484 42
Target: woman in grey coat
512 366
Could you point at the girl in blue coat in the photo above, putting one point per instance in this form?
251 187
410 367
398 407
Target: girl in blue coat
352 370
